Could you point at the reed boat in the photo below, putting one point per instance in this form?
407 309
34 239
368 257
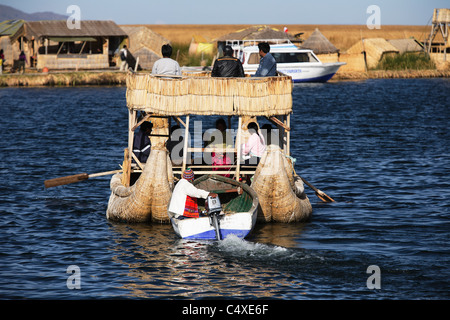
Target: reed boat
141 192
239 204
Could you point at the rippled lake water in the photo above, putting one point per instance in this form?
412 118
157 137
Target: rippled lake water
380 148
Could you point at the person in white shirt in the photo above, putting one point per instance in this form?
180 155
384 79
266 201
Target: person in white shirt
166 65
184 197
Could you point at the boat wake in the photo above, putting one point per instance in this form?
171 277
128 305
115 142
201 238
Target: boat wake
241 247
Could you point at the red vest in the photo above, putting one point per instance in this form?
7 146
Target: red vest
191 208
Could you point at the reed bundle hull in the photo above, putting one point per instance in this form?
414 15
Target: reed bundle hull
147 200
281 195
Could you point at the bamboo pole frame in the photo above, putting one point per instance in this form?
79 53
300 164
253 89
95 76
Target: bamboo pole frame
128 154
288 135
185 149
285 131
238 147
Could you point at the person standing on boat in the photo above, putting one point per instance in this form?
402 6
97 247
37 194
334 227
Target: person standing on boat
253 150
166 65
227 66
184 197
141 142
267 65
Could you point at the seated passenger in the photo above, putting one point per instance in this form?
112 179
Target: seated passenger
219 137
141 142
166 65
220 159
227 66
253 150
267 65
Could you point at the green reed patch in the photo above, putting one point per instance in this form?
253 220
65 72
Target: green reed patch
406 61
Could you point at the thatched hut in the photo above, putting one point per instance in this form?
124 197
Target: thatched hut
373 50
55 46
11 49
144 44
322 47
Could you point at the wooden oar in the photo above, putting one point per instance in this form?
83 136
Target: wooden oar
76 178
320 194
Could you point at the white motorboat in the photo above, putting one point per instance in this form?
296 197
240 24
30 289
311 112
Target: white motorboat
302 65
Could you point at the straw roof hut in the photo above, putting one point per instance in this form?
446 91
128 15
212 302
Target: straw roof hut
88 47
374 50
8 29
145 44
318 43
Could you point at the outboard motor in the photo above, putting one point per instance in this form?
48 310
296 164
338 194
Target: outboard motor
214 209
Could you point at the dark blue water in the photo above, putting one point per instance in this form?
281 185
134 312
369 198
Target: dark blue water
380 148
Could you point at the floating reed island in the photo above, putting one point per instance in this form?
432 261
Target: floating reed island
75 78
98 78
141 191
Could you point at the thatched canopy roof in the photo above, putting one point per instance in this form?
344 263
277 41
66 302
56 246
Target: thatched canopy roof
257 33
318 43
58 28
204 95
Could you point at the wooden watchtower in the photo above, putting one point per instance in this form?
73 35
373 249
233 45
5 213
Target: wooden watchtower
440 25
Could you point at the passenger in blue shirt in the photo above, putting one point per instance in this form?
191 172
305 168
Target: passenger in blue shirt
267 64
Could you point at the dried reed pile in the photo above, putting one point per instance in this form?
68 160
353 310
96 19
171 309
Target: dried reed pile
205 95
281 197
148 199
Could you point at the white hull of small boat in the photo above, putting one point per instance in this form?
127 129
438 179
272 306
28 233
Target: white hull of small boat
240 211
239 224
